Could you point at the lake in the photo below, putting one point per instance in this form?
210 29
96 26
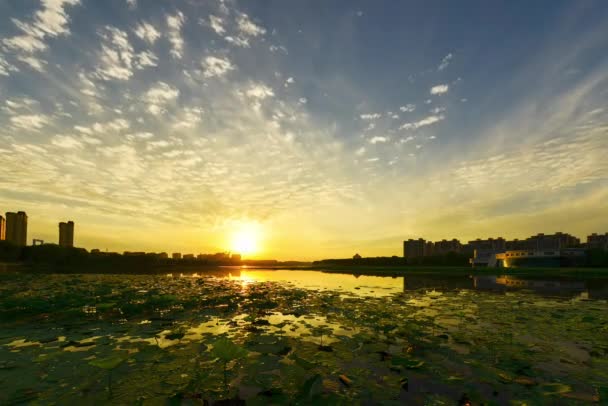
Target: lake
250 336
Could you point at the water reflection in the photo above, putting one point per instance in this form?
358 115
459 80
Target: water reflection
161 337
358 284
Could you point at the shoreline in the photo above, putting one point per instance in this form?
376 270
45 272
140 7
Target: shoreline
388 271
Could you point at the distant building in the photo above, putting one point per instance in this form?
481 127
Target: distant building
485 258
176 255
163 255
555 241
444 246
235 257
188 256
597 241
491 244
16 228
413 248
541 258
542 241
516 244
2 228
356 256
66 234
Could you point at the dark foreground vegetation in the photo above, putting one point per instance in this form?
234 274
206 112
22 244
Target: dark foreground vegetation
151 339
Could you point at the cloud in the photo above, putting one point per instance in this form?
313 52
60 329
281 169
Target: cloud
217 24
175 23
216 66
144 135
145 59
116 56
157 144
303 100
190 118
32 122
377 139
248 27
159 96
22 103
422 123
147 32
277 48
117 59
439 89
437 110
289 81
33 62
259 91
132 4
370 116
26 43
66 141
408 108
360 151
445 62
88 87
50 21
238 41
115 125
6 67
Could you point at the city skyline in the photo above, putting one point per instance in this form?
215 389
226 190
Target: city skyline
418 247
301 132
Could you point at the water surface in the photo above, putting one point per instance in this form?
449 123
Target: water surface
274 336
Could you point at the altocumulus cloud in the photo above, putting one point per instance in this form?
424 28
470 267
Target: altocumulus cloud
440 89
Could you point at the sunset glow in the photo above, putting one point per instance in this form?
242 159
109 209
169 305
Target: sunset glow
246 240
154 125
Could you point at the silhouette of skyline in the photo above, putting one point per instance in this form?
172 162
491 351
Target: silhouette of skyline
413 249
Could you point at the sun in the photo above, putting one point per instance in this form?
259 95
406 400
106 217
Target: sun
246 239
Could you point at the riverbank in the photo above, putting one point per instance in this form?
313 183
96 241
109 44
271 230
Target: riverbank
189 268
457 270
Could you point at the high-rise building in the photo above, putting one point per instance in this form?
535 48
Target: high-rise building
444 246
597 241
16 228
2 228
66 234
414 248
555 241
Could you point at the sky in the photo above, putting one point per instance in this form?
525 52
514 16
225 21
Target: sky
321 129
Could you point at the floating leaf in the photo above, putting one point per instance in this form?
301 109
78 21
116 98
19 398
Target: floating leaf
107 363
226 350
312 387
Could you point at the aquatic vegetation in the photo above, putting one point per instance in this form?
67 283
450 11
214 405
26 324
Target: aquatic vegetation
148 339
